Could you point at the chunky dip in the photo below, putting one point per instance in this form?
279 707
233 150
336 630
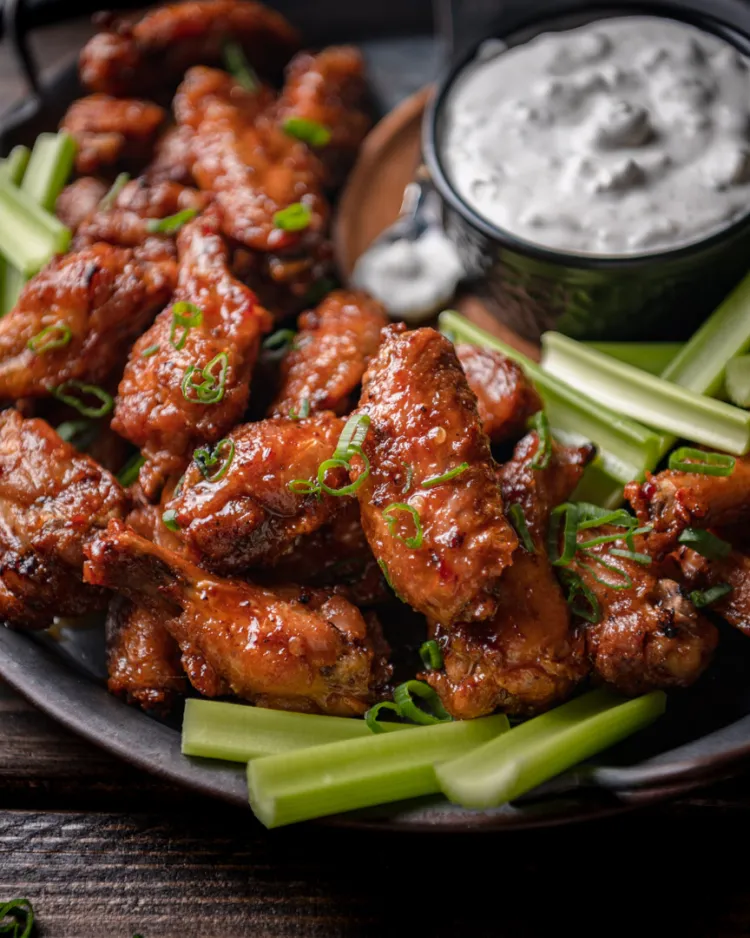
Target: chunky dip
625 136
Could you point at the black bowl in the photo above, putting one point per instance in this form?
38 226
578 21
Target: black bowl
656 295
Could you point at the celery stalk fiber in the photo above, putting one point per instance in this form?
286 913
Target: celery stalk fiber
237 733
737 380
654 401
29 236
652 357
13 168
516 762
309 783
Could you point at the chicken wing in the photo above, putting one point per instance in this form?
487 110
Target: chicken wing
427 451
672 501
329 90
299 650
698 573
79 200
52 500
247 515
528 657
173 159
331 351
505 396
158 49
255 169
111 131
187 380
76 319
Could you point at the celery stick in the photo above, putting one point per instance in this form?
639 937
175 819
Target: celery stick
737 380
652 357
654 401
216 730
357 773
13 168
599 487
626 448
49 167
541 748
29 236
15 163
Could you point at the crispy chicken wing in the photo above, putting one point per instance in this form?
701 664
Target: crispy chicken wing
173 159
527 657
79 200
505 396
424 425
294 649
698 573
157 50
254 168
672 501
332 349
77 318
189 384
52 500
110 131
250 516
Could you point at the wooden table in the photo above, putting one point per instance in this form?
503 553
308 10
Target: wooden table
102 850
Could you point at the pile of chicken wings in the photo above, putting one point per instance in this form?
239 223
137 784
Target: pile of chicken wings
291 496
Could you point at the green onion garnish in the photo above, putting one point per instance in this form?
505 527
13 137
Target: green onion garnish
303 487
643 559
415 542
295 217
705 543
445 477
408 708
185 316
151 350
352 436
591 516
279 340
349 444
211 389
207 457
567 513
702 598
309 131
350 489
602 539
171 223
580 598
21 912
687 459
129 472
409 477
432 657
50 338
238 66
63 393
543 454
304 410
108 199
371 717
518 520
624 582
170 520
81 433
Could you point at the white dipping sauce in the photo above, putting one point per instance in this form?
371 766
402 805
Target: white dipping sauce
625 136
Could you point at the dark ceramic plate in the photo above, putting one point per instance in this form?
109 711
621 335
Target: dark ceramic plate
704 736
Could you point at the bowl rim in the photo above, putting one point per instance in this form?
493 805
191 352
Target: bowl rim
530 25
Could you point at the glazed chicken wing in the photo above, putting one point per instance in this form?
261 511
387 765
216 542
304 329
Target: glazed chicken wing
672 501
527 657
427 450
698 573
297 650
187 380
505 396
52 500
110 131
77 318
246 514
159 48
79 200
173 159
331 351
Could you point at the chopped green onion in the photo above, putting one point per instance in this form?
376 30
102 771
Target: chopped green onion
238 66
303 487
81 433
350 489
603 539
207 457
185 316
543 454
309 131
591 516
385 767
705 543
445 477
737 380
63 393
278 340
415 542
50 165
409 476
169 519
687 459
544 746
372 721
151 350
171 223
636 556
657 402
436 712
652 357
21 913
387 576
295 217
129 472
108 199
213 729
702 598
432 657
211 389
50 338
567 513
625 581
304 410
29 235
518 520
352 436
580 598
